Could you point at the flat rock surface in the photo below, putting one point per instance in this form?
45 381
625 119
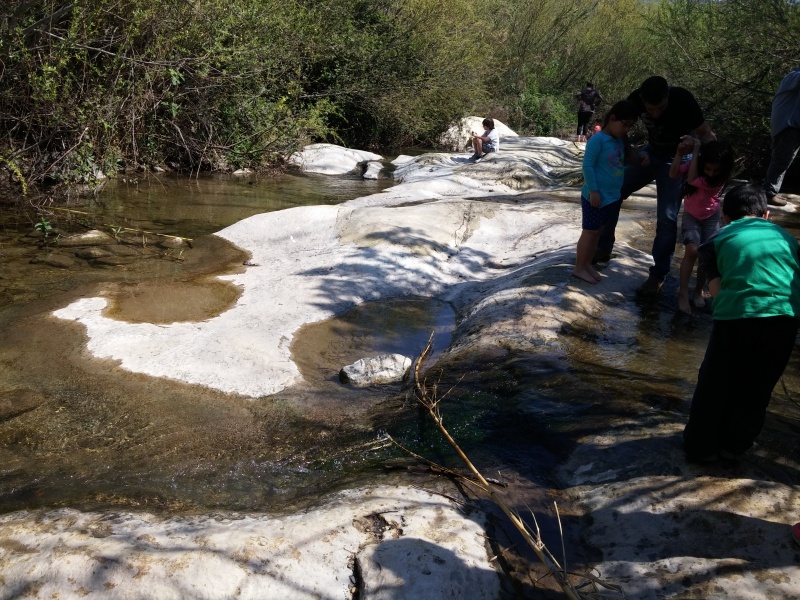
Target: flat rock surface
387 542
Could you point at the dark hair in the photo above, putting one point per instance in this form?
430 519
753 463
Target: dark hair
589 84
489 122
745 200
624 110
715 152
654 89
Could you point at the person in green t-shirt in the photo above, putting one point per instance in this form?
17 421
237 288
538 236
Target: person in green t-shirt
753 268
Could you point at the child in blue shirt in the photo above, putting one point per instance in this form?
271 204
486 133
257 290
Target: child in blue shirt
603 166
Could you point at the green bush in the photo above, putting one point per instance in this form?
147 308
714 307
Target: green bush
90 86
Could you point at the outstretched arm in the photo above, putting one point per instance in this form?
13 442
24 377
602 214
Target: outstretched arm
684 147
693 172
704 133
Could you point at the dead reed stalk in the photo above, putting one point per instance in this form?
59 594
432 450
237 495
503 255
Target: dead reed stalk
430 399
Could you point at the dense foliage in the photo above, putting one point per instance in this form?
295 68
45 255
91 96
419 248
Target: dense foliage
97 85
733 55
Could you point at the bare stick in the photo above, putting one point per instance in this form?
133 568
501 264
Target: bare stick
431 402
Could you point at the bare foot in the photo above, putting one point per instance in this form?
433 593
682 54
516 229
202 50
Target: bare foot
698 300
683 304
597 277
585 275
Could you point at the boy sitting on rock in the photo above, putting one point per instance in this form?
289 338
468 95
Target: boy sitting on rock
488 142
754 275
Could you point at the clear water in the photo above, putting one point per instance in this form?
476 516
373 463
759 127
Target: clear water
77 431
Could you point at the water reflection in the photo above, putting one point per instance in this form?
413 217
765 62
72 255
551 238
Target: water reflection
400 326
193 207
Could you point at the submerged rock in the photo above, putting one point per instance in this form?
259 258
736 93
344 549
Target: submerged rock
113 261
384 368
59 261
16 402
172 243
95 237
93 252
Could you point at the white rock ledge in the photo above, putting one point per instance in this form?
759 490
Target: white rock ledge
319 261
330 159
407 543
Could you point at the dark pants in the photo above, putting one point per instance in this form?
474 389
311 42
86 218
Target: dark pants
785 146
744 360
668 204
583 122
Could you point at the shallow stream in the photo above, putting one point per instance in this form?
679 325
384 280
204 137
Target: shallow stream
78 431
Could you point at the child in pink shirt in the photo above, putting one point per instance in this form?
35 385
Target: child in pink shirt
710 168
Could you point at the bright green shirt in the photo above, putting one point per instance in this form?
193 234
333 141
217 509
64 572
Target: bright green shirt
759 268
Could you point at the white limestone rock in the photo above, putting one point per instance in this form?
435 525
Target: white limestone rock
459 135
325 259
384 368
71 555
330 159
94 237
372 170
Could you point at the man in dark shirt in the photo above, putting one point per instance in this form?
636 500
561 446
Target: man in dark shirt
668 113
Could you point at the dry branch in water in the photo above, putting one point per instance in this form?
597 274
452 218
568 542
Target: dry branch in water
589 586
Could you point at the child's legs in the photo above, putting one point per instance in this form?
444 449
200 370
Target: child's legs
690 230
761 351
701 437
587 244
636 177
708 228
687 266
592 223
477 145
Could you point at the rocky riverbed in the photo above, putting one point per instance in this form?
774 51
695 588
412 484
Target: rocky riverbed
483 238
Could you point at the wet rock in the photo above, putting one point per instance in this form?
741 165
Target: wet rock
384 368
95 237
17 402
91 253
38 234
113 261
16 251
59 261
172 243
372 170
123 250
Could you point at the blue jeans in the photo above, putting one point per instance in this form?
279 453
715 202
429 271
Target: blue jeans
668 204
